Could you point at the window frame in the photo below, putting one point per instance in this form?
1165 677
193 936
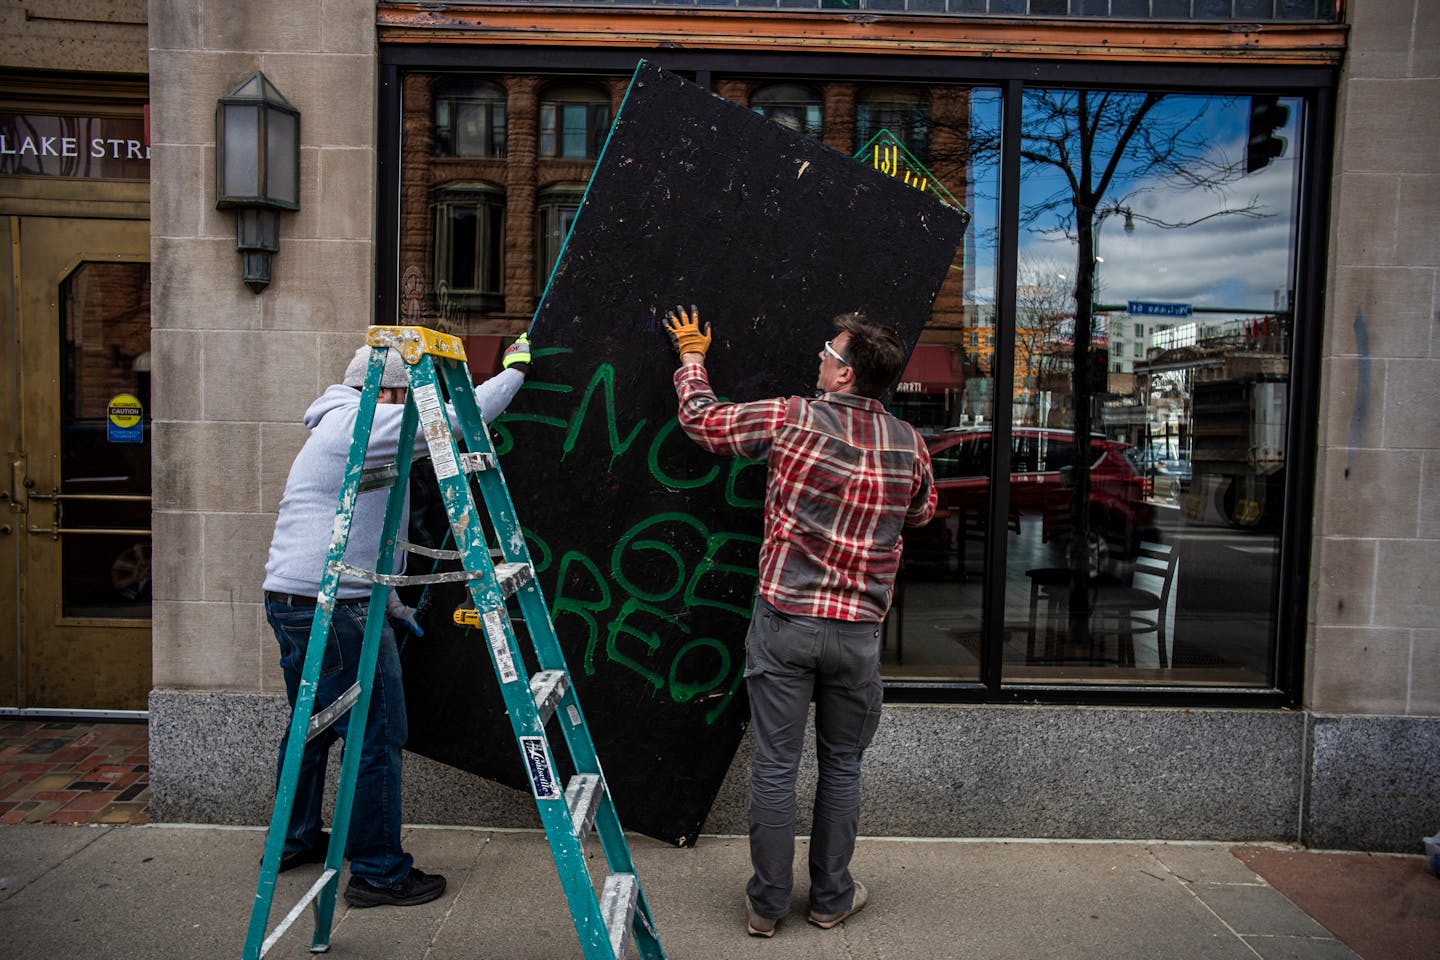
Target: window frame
489 202
1314 83
553 216
767 101
555 101
913 136
496 127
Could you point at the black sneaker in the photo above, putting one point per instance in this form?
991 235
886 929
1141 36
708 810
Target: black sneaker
410 890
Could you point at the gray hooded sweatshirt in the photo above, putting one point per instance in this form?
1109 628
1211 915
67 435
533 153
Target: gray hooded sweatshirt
312 491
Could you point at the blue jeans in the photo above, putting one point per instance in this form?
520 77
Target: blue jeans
789 661
373 845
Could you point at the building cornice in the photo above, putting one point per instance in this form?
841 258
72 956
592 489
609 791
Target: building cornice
1311 44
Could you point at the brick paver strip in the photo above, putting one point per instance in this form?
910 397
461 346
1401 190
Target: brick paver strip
87 803
74 772
133 791
53 781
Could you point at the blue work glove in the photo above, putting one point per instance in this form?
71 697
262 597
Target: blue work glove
517 355
403 615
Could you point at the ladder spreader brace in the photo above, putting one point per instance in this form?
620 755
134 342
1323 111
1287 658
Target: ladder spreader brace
497 576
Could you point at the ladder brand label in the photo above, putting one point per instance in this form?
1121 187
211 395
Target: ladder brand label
437 431
542 777
500 646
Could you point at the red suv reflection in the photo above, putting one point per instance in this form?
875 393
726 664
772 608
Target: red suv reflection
1041 464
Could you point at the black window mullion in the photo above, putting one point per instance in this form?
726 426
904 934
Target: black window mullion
387 212
1307 325
1003 385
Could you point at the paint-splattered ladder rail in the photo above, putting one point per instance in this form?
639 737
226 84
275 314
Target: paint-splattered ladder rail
497 576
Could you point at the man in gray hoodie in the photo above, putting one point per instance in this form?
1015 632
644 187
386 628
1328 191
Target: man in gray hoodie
381 872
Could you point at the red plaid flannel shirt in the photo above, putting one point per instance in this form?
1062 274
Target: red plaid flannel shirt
845 477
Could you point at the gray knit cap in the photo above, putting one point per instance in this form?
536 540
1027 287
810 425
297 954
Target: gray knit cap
395 374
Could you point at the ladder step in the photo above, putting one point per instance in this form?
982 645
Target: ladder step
439 553
582 796
330 714
378 478
512 577
548 688
617 909
476 462
295 911
518 574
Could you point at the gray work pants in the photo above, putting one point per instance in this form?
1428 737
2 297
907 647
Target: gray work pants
789 661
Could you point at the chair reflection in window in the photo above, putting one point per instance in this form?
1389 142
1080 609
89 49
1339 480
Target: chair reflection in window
1143 606
1117 609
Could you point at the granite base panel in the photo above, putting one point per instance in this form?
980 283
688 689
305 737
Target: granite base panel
1374 783
213 758
990 771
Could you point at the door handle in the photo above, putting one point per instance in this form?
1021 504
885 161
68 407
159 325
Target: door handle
54 529
57 528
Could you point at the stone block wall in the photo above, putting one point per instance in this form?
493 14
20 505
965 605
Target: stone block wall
1373 658
100 36
234 371
1375 644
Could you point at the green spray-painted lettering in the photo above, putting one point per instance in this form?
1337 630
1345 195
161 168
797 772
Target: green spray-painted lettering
665 560
737 466
628 540
660 474
504 439
708 565
566 602
604 376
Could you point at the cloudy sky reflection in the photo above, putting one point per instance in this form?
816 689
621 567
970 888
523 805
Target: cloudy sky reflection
1224 261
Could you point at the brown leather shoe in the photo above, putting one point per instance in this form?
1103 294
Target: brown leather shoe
827 920
756 925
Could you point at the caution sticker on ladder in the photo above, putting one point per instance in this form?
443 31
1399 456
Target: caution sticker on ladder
500 646
437 431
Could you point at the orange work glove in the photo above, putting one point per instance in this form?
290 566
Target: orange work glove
686 334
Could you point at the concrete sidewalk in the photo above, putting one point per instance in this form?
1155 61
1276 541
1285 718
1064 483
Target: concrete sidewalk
174 891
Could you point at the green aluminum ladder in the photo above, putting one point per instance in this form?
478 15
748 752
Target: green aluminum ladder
606 923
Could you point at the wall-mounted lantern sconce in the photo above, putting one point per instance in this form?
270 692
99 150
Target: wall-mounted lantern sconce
257 169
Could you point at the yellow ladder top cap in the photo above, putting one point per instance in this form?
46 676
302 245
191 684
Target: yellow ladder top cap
415 342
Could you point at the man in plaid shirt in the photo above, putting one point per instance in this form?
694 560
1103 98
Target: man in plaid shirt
844 478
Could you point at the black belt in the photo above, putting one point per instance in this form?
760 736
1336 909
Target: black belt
290 599
296 600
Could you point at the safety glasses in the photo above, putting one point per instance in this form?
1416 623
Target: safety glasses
834 353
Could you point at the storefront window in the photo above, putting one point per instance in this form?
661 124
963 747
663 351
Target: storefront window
1154 560
936 629
1148 309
